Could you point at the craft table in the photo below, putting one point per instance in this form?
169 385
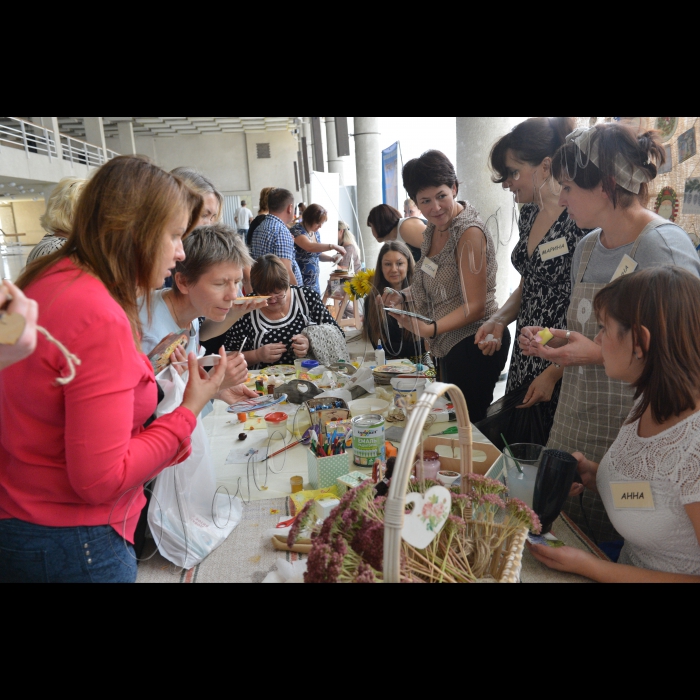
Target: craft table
224 429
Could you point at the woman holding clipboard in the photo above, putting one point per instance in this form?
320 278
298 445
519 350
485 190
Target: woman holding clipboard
454 285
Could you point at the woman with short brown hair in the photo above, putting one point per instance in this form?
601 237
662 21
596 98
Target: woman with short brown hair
309 249
73 454
650 323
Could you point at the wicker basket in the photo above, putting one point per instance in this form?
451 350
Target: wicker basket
506 564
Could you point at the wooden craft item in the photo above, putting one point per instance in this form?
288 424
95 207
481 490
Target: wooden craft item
11 328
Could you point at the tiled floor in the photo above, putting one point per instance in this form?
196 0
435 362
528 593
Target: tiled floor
14 258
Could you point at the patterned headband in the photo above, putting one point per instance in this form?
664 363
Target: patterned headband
627 175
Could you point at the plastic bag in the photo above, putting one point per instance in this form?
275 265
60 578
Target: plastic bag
188 519
519 425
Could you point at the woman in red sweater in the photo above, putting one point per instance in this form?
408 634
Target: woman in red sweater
73 453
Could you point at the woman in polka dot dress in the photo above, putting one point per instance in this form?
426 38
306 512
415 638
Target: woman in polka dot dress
273 335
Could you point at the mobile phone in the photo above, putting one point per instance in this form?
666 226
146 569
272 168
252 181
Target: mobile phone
410 314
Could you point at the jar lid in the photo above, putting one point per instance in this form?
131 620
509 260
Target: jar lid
430 457
310 364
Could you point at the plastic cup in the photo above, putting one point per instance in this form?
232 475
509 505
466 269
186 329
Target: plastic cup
522 485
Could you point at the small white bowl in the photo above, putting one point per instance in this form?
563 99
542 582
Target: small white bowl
447 481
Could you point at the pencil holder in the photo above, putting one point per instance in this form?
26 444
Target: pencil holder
325 471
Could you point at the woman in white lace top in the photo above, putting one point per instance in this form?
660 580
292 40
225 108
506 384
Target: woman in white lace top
650 479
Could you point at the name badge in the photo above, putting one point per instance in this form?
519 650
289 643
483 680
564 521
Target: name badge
555 249
430 268
629 495
626 267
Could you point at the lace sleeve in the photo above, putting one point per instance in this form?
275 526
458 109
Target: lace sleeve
687 476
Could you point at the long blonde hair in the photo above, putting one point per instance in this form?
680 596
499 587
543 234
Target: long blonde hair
348 238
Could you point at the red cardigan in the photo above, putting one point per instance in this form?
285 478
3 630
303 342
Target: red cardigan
77 455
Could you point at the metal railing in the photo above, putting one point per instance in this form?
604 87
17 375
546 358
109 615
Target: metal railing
28 137
32 138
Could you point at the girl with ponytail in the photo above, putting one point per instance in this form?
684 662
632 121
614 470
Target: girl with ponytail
604 173
522 162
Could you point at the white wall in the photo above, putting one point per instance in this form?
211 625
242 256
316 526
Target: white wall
220 157
7 220
277 171
325 189
27 215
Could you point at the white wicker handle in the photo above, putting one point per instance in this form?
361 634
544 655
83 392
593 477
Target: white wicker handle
413 435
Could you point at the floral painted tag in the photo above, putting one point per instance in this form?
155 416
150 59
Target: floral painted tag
430 513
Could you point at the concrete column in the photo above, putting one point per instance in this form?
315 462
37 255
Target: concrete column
127 143
476 137
52 123
336 164
95 133
307 133
368 154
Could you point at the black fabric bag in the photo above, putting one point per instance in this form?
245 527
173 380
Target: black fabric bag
519 425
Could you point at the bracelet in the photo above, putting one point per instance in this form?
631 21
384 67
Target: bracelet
436 331
403 296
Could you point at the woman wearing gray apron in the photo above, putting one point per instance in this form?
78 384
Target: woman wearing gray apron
604 173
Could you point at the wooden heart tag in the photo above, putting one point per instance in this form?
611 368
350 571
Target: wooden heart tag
429 516
11 328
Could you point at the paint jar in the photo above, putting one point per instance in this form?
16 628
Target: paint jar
429 466
297 484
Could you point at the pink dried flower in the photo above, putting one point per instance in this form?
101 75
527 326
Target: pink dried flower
301 523
492 500
365 575
369 544
457 521
522 512
483 485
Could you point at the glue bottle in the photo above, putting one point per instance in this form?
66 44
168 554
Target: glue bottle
380 355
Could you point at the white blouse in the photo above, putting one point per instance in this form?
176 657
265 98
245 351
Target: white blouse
663 539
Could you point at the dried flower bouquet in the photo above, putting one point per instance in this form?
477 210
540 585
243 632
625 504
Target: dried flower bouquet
349 546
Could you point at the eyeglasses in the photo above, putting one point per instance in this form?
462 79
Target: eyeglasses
277 298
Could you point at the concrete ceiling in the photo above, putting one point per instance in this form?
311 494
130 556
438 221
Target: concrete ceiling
15 189
172 126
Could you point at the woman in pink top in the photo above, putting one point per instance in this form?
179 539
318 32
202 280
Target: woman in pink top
74 454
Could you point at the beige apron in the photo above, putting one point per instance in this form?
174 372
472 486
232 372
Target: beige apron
593 408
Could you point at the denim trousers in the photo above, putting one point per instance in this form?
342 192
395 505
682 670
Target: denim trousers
37 554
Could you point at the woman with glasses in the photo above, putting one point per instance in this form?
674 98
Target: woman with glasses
521 163
274 335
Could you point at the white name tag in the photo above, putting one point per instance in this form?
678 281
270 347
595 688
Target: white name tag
555 249
628 495
430 268
626 267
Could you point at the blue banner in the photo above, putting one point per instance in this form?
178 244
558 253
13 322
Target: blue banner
390 175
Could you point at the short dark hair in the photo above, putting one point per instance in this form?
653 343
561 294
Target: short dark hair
269 275
531 141
432 169
384 219
208 246
278 200
664 300
315 214
643 151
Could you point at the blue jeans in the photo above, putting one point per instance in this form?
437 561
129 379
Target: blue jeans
36 554
243 232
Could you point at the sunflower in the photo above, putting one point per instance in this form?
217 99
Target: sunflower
349 290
